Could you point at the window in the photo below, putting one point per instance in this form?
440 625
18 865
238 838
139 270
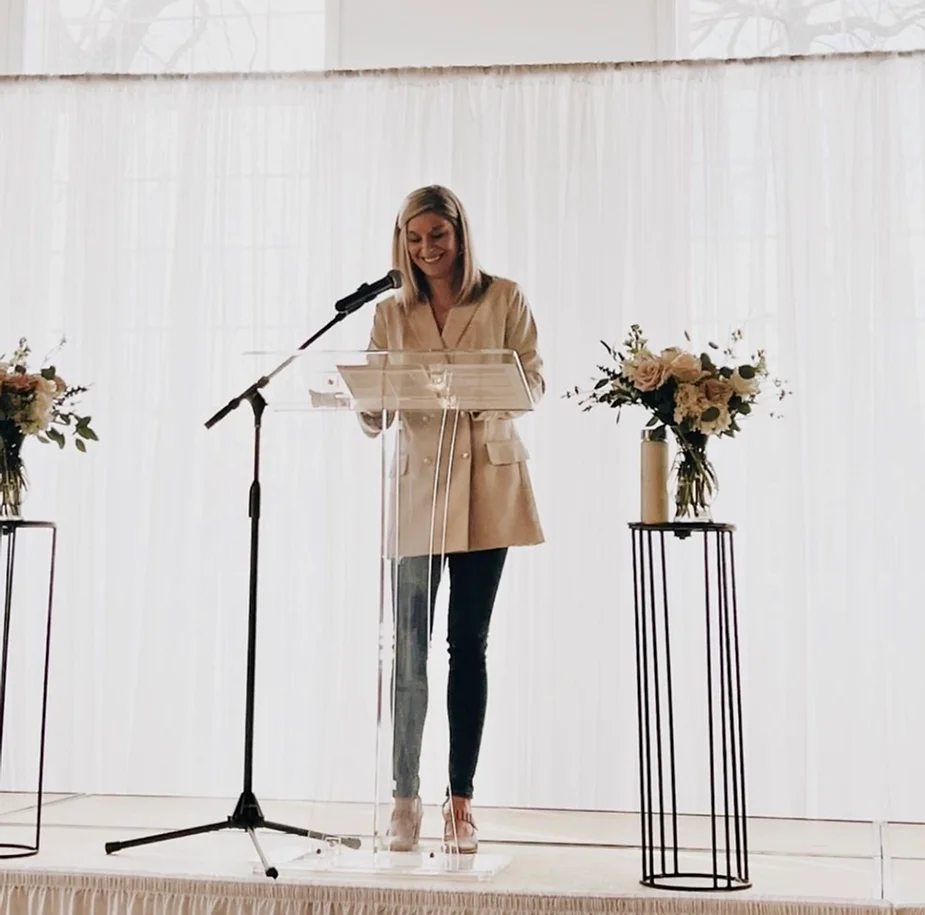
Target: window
165 36
757 28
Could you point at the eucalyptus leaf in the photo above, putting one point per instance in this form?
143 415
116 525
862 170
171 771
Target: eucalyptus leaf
55 436
747 372
80 445
710 414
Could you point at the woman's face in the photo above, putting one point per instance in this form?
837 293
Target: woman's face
432 245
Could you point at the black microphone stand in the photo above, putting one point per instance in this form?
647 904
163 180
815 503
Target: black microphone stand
247 814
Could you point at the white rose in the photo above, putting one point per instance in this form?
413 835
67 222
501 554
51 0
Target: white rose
41 406
686 367
715 426
645 371
744 387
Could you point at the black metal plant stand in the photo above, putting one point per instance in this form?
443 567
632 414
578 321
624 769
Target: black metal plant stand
10 531
658 766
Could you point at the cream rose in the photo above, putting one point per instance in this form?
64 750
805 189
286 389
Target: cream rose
645 371
688 402
686 367
41 407
744 387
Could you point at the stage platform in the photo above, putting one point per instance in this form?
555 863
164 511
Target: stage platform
556 861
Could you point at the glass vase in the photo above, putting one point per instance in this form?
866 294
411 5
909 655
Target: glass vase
12 472
694 483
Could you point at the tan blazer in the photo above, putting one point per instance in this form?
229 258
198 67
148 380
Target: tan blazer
491 501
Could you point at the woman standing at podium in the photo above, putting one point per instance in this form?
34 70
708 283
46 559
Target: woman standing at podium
483 502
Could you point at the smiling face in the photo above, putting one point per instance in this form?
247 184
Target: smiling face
432 245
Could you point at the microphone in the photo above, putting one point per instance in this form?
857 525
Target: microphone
367 292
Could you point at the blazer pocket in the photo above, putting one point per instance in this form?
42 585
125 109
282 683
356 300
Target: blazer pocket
511 451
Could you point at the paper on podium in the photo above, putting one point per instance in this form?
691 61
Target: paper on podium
478 385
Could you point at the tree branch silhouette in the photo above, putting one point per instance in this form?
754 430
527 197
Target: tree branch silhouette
114 47
793 29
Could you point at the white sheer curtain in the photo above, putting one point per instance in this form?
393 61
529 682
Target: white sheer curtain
168 225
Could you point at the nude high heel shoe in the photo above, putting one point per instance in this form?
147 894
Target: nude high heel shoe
460 834
405 824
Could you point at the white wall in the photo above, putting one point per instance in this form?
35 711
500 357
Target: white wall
11 31
421 33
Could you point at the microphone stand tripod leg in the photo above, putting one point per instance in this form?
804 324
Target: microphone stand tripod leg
268 868
112 847
347 841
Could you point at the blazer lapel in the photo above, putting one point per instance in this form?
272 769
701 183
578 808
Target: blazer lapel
457 323
424 327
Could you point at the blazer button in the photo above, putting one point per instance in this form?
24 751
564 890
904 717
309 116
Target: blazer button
426 460
425 418
466 455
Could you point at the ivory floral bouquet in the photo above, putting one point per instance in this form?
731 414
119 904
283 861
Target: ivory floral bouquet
688 394
39 404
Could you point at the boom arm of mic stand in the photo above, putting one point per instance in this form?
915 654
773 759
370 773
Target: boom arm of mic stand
264 380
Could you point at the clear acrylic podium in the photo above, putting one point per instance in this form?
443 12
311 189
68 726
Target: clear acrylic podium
418 422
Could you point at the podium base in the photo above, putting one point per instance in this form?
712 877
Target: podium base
334 860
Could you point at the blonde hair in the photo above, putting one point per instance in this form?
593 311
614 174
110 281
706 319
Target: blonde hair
469 282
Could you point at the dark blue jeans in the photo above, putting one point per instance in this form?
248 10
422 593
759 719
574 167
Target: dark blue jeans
474 579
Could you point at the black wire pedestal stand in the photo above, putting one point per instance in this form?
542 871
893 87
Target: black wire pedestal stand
10 531
658 783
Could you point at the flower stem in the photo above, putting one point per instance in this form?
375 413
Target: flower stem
696 482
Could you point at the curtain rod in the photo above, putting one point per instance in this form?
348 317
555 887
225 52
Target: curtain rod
497 70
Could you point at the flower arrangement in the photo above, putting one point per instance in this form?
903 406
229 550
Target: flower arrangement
688 394
39 404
